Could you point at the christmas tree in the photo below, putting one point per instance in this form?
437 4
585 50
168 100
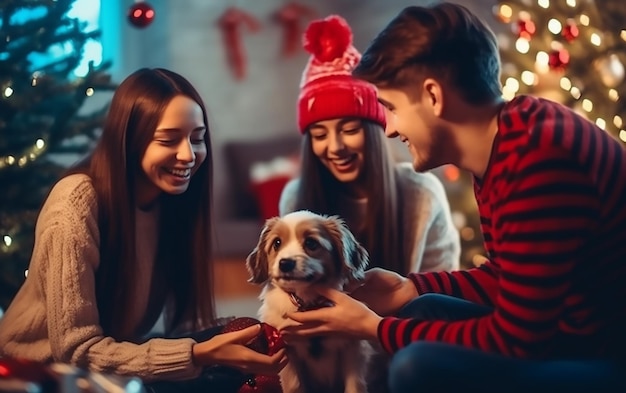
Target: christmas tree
41 117
571 51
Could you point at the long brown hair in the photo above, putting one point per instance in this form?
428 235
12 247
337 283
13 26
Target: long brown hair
318 190
183 265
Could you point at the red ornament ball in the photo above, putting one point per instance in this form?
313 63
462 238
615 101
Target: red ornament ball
525 28
140 14
570 31
558 59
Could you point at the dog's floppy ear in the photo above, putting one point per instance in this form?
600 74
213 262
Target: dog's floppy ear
257 261
354 255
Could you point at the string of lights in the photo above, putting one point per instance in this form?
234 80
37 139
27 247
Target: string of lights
571 51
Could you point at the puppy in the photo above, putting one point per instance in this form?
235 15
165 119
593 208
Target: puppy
296 253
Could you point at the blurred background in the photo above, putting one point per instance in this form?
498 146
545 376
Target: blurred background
61 59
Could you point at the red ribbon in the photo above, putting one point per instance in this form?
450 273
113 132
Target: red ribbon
231 23
274 341
290 17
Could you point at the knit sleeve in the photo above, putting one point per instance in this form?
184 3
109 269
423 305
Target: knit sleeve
438 244
68 242
549 209
287 202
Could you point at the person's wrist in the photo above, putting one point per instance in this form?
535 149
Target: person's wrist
194 354
410 290
370 330
407 292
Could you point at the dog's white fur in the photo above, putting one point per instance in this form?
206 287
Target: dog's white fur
315 250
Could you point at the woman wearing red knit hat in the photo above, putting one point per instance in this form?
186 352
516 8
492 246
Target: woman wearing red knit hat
400 216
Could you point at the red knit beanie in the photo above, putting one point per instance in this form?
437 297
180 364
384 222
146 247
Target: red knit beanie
328 90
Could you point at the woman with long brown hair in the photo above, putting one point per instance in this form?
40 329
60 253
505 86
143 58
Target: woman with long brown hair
401 217
124 237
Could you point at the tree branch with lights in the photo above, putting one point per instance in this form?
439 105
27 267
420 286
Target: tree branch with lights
40 117
571 51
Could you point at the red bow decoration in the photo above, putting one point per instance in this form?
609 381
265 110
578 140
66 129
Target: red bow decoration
269 342
231 23
290 16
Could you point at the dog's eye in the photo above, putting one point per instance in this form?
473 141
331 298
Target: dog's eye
311 244
276 244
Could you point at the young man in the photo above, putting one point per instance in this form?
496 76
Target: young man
545 312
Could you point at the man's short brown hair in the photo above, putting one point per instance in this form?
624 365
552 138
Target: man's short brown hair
444 41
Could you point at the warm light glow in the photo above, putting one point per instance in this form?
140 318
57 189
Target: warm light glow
513 84
10 160
505 11
507 93
617 120
575 92
587 105
7 240
565 83
26 273
571 3
622 35
584 20
554 26
522 45
89 92
452 173
613 95
542 57
459 219
622 135
8 92
600 122
544 3
40 144
467 233
541 62
595 39
529 78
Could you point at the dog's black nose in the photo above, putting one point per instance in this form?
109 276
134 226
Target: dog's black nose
286 265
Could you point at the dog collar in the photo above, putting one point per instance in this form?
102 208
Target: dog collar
320 302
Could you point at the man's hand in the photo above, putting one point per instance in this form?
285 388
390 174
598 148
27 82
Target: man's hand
346 317
383 291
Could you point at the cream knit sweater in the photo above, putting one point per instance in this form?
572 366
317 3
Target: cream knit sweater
54 315
431 240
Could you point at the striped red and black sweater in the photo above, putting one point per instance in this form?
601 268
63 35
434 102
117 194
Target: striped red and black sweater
553 214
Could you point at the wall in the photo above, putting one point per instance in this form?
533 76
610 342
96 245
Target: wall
185 37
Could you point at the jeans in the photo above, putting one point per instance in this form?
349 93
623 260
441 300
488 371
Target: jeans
437 367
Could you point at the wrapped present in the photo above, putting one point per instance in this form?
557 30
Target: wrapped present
268 342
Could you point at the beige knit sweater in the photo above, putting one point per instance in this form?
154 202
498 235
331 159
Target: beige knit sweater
54 315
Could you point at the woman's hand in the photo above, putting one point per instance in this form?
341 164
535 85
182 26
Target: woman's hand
384 291
229 349
346 317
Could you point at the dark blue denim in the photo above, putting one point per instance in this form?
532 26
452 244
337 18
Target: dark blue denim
436 367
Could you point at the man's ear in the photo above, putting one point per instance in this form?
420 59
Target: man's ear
433 95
